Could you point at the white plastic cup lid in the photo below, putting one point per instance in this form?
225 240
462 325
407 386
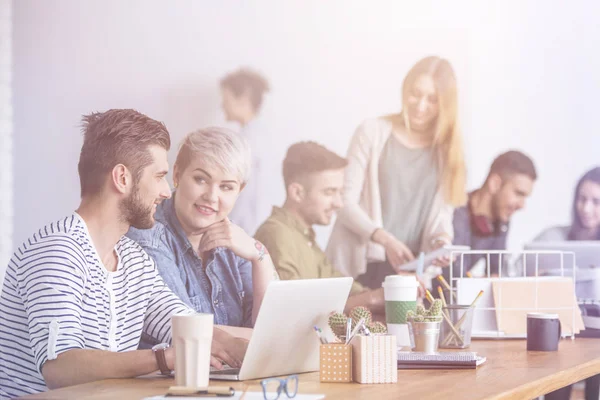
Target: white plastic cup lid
542 315
392 281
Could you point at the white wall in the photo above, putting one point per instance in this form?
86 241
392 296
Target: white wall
6 176
527 73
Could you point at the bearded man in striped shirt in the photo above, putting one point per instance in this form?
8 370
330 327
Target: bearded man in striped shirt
78 294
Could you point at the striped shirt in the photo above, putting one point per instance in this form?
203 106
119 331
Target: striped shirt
58 296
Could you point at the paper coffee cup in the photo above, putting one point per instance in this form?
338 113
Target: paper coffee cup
192 339
400 294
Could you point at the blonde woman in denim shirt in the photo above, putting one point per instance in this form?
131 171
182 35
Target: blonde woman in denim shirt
206 259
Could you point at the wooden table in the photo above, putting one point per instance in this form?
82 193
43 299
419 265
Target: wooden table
510 372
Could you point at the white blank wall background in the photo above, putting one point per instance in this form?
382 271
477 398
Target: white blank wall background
6 176
526 80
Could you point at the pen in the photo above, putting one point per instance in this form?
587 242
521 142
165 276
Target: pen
348 329
318 332
365 330
325 341
211 391
356 328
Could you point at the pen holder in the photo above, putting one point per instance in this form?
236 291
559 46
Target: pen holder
375 359
335 362
455 332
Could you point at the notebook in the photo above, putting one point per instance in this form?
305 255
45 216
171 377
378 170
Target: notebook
449 360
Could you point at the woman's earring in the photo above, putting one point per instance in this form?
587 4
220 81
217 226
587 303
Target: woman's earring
175 184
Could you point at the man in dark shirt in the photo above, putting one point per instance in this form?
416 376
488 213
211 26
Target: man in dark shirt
483 223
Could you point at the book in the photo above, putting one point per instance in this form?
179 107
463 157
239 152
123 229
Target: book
449 360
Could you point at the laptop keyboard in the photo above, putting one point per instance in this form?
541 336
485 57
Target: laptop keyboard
224 371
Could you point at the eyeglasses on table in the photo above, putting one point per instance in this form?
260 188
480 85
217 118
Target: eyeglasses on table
274 387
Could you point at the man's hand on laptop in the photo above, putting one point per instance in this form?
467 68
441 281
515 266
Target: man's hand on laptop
227 349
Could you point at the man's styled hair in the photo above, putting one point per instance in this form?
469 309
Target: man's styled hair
247 81
306 158
117 137
220 147
513 162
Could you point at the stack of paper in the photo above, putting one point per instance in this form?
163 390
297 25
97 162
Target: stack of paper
449 360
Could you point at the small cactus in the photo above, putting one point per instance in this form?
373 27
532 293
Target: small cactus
435 311
377 327
421 314
418 318
359 312
337 323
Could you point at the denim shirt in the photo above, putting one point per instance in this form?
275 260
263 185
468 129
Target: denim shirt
220 285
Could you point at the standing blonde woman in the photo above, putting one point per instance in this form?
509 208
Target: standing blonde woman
405 175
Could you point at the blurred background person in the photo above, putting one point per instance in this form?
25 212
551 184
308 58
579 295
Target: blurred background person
314 181
483 223
242 94
585 225
406 173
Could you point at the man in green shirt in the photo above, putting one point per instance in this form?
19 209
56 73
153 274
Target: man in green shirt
314 180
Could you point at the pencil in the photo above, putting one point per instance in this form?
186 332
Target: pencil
477 298
462 319
452 328
451 335
244 392
441 292
428 296
446 285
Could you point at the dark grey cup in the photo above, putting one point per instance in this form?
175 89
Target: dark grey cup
543 332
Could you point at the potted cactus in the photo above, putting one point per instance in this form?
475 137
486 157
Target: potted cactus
338 322
424 327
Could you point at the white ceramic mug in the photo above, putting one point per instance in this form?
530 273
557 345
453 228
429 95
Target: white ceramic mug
192 339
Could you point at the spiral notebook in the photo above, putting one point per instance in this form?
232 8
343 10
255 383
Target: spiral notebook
448 360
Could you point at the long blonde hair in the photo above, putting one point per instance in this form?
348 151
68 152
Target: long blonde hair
447 139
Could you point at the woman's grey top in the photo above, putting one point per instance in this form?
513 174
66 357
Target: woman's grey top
408 180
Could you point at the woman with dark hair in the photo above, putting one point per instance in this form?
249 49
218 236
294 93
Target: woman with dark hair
584 226
586 212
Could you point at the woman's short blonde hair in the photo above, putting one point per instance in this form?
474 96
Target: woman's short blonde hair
221 147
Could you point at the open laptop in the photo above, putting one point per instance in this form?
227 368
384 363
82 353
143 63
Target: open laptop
283 341
587 253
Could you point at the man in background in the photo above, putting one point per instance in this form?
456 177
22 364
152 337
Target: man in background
483 223
242 93
314 180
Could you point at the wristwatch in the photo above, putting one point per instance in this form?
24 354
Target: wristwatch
161 360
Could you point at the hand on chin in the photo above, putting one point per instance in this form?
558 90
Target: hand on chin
204 223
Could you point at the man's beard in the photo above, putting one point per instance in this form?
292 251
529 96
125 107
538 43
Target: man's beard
135 213
496 209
